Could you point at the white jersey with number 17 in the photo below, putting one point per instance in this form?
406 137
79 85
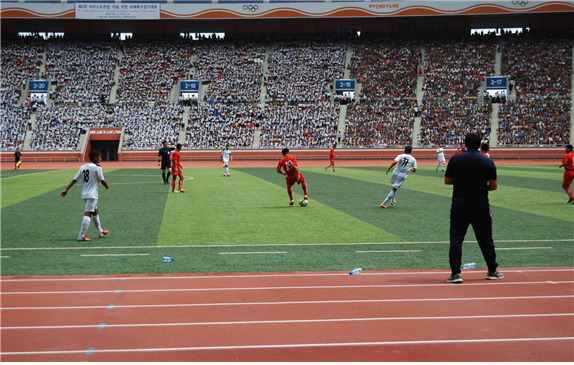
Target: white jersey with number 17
91 175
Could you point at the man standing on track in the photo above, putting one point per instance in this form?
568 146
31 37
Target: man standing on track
91 174
473 176
292 175
568 164
405 164
332 158
163 158
177 170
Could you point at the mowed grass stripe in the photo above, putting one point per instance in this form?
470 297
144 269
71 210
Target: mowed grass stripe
246 209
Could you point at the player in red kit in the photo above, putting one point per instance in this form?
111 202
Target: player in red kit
568 164
292 175
176 169
332 158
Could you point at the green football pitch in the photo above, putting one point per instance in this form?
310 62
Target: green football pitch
245 224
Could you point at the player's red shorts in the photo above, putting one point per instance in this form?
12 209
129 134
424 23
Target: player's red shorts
332 161
291 180
176 171
568 177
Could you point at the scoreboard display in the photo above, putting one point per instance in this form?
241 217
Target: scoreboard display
497 86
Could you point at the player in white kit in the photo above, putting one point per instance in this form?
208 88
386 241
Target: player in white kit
225 158
405 164
91 175
440 158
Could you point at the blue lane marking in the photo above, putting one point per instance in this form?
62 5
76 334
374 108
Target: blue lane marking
111 306
102 325
119 290
90 351
123 278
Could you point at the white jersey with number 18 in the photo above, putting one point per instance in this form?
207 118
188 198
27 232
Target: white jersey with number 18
91 175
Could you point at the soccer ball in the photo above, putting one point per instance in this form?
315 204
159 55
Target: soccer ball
303 202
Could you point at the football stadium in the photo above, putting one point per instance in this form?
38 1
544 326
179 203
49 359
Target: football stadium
287 181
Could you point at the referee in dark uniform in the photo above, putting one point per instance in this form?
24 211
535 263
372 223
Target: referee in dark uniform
473 176
163 158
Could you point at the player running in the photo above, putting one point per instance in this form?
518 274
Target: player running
405 164
568 164
440 157
163 158
225 158
292 175
332 158
91 174
176 170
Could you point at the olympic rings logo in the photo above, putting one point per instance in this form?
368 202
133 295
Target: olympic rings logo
251 8
520 3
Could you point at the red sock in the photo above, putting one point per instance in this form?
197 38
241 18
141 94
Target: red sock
173 184
570 193
290 192
180 183
304 186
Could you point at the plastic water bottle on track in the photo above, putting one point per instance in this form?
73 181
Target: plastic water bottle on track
356 271
167 259
470 265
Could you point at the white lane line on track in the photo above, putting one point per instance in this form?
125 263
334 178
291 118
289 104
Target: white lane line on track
265 245
309 274
327 320
303 345
346 301
314 287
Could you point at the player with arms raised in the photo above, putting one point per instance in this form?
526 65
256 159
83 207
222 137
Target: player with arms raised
292 174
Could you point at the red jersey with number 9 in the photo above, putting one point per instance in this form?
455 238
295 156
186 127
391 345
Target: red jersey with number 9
288 164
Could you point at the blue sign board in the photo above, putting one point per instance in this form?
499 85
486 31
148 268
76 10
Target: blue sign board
38 86
189 86
496 82
345 85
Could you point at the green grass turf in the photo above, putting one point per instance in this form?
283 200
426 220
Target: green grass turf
249 212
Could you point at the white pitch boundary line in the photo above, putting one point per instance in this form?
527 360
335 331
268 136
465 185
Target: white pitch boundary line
284 346
4 257
116 254
327 320
523 248
280 288
389 251
252 253
265 245
201 276
289 303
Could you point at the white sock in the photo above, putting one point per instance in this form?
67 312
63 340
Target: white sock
85 224
96 220
226 171
390 196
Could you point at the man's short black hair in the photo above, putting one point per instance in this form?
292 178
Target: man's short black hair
569 146
408 149
285 151
178 146
93 154
162 142
484 147
472 141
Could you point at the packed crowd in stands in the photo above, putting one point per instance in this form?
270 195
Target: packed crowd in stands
233 70
383 123
146 126
539 65
15 122
217 124
386 67
298 88
534 122
150 67
58 127
300 126
456 68
21 60
303 70
446 121
82 71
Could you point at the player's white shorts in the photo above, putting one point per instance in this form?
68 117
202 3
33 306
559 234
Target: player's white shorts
441 159
91 205
225 163
397 180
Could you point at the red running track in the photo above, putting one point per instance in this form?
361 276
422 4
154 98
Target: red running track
376 316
